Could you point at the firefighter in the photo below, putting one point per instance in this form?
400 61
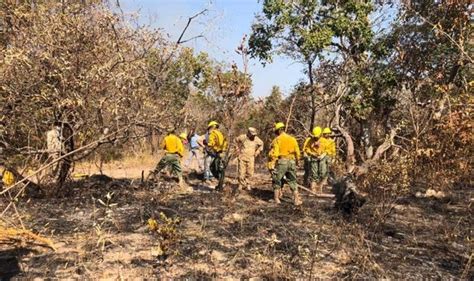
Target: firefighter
283 160
249 146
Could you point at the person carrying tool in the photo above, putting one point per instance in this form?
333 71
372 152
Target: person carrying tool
283 160
249 146
314 155
174 151
328 147
216 146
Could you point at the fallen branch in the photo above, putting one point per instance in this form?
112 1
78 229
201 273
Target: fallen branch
319 195
22 237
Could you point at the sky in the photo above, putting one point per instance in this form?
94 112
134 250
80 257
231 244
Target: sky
223 27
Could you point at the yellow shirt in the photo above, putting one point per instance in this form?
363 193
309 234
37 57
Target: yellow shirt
328 146
284 146
312 147
217 141
173 144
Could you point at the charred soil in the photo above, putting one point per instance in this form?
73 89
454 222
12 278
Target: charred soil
101 229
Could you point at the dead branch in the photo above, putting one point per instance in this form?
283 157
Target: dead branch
190 19
290 112
44 167
22 236
381 149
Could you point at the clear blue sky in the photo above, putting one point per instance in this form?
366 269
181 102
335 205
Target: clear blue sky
223 26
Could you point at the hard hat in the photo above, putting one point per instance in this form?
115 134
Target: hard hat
279 125
327 130
317 131
252 131
183 136
212 123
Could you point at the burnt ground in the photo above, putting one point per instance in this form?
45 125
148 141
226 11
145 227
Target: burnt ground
241 235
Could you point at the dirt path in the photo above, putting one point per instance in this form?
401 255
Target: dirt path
223 235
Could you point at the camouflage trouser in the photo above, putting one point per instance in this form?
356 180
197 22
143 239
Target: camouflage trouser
324 167
171 160
246 170
284 168
316 169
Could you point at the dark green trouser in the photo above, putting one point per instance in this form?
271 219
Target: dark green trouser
284 168
328 160
169 160
316 169
217 167
307 170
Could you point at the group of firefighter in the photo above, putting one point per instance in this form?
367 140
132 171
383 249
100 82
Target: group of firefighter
319 151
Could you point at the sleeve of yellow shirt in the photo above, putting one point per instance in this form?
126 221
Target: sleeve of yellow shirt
305 147
225 143
180 147
163 143
297 151
274 151
273 154
213 140
331 147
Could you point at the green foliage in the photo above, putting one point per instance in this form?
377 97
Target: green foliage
264 113
303 30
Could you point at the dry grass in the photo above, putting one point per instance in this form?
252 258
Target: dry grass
243 236
130 167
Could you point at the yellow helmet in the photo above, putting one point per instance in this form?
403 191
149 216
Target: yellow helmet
327 130
279 125
317 131
212 123
183 136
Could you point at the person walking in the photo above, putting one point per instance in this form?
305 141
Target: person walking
174 151
194 153
283 160
249 146
216 146
328 147
314 155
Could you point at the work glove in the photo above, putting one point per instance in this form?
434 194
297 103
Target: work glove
271 165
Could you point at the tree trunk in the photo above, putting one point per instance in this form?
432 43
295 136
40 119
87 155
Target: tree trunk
313 98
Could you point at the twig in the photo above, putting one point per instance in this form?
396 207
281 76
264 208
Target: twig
190 19
436 26
289 113
320 195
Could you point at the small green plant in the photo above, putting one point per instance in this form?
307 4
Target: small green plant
165 229
102 223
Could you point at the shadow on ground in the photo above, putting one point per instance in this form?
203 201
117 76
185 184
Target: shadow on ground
238 235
